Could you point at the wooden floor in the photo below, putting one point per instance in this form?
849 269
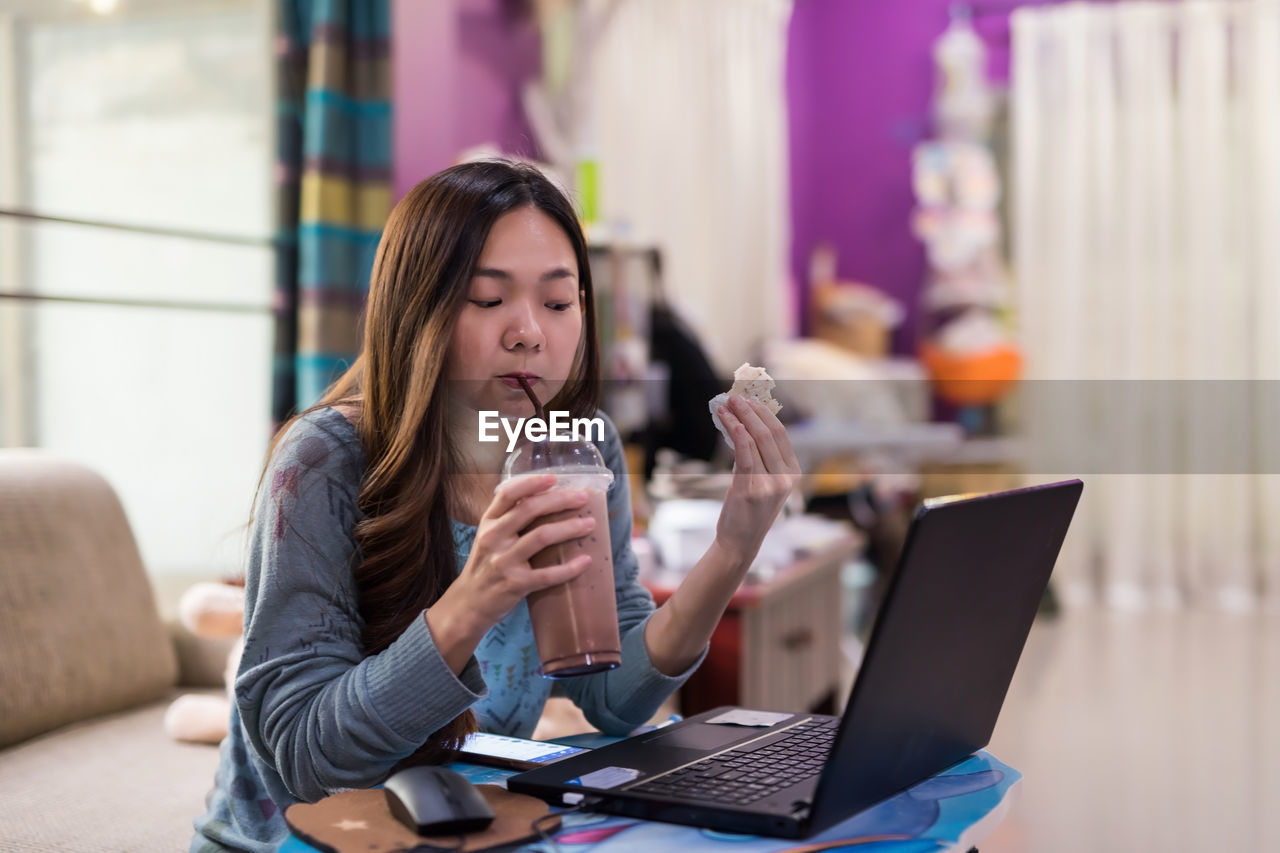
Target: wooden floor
1137 732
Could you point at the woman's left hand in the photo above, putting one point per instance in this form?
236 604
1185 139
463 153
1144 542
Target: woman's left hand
765 470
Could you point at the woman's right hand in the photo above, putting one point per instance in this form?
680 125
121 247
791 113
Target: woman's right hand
498 573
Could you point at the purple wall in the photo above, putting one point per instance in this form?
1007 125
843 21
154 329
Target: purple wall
424 48
859 83
457 69
859 80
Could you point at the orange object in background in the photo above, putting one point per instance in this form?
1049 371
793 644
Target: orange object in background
971 379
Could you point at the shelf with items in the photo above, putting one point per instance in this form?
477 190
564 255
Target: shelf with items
625 277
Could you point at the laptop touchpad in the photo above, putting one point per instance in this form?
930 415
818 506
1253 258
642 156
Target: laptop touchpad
702 736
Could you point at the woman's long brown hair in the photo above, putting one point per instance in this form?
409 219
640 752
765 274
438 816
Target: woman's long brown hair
421 274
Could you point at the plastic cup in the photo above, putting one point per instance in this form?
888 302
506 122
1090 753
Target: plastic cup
575 623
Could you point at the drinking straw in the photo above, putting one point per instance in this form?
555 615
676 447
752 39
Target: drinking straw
537 406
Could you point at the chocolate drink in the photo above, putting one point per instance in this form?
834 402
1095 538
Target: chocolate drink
576 623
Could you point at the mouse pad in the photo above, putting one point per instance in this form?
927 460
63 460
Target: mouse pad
353 821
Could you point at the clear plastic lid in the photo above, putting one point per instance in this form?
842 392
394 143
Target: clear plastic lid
556 457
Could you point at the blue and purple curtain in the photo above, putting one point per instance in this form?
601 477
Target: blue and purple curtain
333 178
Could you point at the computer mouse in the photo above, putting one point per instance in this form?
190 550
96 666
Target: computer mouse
436 801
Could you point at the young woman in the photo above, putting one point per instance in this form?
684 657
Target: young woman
387 572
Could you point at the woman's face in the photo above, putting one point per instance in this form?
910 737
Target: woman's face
523 316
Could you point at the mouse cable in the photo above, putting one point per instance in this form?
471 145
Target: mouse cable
583 804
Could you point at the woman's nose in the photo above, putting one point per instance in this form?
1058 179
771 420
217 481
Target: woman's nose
523 329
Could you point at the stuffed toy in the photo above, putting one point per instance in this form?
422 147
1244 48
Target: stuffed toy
214 611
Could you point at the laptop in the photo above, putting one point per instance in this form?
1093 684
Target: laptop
941 655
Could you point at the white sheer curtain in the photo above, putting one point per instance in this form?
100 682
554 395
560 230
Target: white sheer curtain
690 119
1146 242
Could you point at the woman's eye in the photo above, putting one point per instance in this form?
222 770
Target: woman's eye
486 303
559 306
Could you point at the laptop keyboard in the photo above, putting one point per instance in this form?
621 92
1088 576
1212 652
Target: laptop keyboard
745 774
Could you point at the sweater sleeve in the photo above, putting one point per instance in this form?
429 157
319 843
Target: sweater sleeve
314 707
621 699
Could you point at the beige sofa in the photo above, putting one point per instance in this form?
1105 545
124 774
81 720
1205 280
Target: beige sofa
87 668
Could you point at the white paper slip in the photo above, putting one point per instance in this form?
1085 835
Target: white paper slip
743 717
607 777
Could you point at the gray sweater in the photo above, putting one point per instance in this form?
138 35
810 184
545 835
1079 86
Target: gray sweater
314 715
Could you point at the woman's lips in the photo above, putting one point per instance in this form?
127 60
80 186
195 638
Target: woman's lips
511 380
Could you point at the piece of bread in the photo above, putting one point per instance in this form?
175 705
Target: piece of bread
754 383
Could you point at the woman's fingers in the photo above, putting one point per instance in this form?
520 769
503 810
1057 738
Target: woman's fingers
755 443
511 492
552 533
510 535
755 416
531 508
781 440
746 459
536 579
